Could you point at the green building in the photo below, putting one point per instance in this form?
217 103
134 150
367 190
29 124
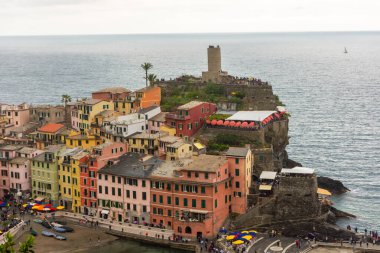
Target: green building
45 186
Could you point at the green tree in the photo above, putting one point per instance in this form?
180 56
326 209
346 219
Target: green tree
7 246
146 66
26 247
152 79
65 99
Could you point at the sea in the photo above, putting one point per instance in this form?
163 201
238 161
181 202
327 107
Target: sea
333 97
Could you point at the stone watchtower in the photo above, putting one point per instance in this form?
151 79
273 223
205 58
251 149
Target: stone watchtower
214 73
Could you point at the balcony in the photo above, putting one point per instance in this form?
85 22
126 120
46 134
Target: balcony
193 216
177 116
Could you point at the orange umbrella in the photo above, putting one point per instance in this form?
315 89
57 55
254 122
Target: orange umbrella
244 124
232 123
213 122
220 122
226 123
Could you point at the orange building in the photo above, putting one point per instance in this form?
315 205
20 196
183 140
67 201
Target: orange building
192 196
111 94
240 162
147 97
50 134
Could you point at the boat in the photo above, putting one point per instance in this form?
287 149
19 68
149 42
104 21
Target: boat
33 232
345 50
59 229
68 229
48 234
55 224
37 221
60 237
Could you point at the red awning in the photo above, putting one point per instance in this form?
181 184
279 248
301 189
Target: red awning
226 123
238 124
220 122
252 124
232 123
244 124
213 122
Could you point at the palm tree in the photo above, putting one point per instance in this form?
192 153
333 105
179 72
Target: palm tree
7 246
65 99
146 66
152 79
26 247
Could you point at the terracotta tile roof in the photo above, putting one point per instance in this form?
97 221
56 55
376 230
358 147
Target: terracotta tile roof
50 128
113 90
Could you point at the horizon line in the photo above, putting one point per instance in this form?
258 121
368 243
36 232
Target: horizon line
189 33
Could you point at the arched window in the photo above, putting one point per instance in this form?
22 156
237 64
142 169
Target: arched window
188 230
179 230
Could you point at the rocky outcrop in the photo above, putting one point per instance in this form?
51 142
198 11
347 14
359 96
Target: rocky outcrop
340 214
332 185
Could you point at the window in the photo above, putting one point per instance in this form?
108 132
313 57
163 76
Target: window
236 160
206 175
216 189
189 174
144 195
216 203
194 203
113 191
169 200
203 203
128 194
144 209
161 199
100 189
203 189
106 189
169 213
143 183
134 195
169 186
185 202
118 192
237 172
154 198
225 199
154 210
176 187
237 184
176 201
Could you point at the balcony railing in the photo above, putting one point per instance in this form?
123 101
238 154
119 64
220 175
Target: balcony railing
177 116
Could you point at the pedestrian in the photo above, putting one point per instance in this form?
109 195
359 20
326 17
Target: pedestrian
110 227
341 242
360 242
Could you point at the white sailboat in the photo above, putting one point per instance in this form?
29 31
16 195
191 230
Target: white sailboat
345 50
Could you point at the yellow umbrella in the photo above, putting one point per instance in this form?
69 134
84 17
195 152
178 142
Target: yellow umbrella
248 237
25 205
230 237
35 207
253 231
60 207
245 231
237 242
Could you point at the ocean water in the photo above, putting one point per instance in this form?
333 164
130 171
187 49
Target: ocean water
333 97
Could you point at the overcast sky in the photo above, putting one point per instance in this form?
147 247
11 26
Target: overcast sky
45 17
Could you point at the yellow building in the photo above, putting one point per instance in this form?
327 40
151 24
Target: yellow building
69 177
50 134
83 141
178 150
144 143
125 107
100 118
86 110
167 129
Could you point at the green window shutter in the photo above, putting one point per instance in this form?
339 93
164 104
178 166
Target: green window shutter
203 205
194 203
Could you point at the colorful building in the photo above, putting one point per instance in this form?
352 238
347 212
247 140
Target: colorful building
155 123
44 167
192 196
144 143
83 141
44 114
83 114
20 170
16 115
190 117
50 134
174 148
148 96
7 153
124 188
121 97
69 162
100 156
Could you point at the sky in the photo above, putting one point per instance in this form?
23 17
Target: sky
64 17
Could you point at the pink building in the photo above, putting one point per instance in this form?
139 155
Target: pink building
20 170
156 122
124 188
17 115
7 153
100 157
